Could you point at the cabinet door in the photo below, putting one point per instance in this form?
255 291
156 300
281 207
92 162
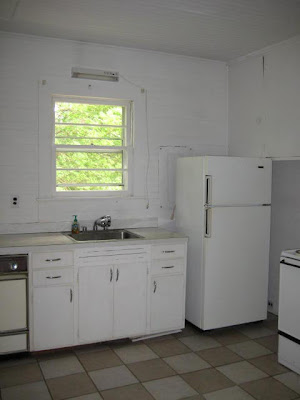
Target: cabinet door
95 303
53 317
130 301
167 302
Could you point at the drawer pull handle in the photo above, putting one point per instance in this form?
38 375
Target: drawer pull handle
71 295
155 286
53 277
168 251
118 273
53 259
111 275
169 266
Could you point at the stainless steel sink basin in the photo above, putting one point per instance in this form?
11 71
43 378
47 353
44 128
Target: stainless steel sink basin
109 234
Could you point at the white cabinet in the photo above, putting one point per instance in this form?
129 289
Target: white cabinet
95 305
130 300
167 303
112 298
105 292
167 288
52 317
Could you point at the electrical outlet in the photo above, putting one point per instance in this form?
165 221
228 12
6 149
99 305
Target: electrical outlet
270 303
14 201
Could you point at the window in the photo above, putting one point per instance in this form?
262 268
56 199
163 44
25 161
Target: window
92 145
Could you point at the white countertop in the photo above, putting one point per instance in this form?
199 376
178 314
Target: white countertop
49 239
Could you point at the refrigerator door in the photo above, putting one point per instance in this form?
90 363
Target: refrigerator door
235 266
238 180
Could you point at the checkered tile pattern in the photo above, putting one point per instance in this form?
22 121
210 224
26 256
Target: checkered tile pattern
237 363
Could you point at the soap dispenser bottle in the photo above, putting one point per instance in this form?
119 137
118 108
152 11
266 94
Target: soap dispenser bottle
75 225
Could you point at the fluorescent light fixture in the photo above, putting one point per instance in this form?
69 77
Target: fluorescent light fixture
96 74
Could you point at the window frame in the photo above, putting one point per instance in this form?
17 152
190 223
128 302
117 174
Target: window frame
126 149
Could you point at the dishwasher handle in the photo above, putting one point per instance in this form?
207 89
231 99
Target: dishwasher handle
13 276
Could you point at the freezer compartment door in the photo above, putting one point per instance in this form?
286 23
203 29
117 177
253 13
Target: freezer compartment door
238 181
236 264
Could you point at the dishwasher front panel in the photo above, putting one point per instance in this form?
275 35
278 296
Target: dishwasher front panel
13 300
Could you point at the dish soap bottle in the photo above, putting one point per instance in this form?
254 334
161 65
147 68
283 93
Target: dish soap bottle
75 225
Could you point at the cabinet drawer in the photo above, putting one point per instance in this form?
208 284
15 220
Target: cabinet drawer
52 259
49 277
168 251
167 266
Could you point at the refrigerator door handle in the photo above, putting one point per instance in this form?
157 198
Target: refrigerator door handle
208 182
207 222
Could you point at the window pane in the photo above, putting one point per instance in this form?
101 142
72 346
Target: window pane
76 177
86 135
88 188
82 113
79 159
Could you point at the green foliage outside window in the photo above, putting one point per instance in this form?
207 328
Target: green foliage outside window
88 138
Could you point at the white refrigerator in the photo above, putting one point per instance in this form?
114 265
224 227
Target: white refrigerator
223 206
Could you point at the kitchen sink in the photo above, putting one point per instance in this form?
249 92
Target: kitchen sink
108 234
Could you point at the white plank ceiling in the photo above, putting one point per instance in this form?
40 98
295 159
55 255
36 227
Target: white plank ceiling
214 29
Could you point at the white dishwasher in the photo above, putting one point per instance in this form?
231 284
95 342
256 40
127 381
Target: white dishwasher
289 310
13 301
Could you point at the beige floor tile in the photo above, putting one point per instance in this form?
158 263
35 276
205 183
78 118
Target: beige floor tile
219 356
131 392
30 391
168 348
91 348
199 342
249 349
291 380
241 372
61 367
99 359
70 386
173 388
54 354
20 375
92 396
269 389
255 331
229 336
269 364
186 363
158 339
207 380
135 353
189 330
110 378
151 369
270 342
232 393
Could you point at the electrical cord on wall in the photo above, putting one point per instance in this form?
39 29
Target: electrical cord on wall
144 91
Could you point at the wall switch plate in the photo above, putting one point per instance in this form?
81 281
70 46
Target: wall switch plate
14 201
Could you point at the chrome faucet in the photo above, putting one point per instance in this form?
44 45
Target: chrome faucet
104 222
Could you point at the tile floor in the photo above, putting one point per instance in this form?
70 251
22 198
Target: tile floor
238 363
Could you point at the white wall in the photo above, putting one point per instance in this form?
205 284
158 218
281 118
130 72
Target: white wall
187 106
264 103
285 224
264 120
